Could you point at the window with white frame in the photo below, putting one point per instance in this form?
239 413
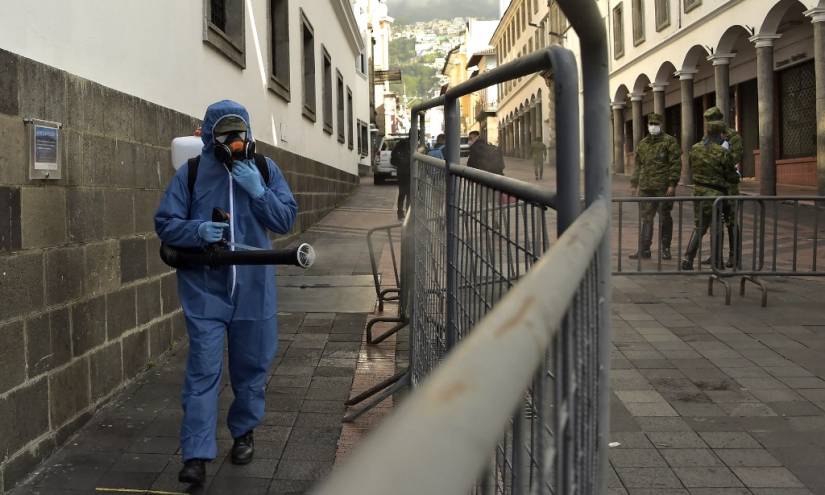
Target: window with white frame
308 65
224 28
638 22
662 14
618 30
279 48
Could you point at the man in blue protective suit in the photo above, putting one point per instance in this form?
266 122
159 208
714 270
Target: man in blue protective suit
236 301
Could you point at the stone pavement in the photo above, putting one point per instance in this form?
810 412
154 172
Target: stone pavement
707 399
133 443
714 399
711 399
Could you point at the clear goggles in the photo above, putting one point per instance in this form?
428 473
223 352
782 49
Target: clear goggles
223 138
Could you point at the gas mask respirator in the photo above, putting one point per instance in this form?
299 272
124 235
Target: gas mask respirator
233 141
234 146
654 129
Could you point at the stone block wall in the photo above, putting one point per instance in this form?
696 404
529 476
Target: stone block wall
85 302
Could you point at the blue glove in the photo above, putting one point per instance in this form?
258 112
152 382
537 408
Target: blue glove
246 174
211 232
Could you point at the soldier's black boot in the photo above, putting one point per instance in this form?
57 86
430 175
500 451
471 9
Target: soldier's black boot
734 248
644 243
692 248
194 472
667 237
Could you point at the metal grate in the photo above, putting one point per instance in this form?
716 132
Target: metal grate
798 111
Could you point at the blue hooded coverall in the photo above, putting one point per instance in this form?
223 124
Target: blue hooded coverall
239 301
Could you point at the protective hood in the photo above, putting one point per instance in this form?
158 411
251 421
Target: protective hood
216 112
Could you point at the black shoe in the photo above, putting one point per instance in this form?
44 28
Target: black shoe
645 255
243 449
193 472
687 265
666 254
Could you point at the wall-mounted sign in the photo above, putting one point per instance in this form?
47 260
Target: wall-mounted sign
44 149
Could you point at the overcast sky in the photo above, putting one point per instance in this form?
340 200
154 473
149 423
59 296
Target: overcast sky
406 11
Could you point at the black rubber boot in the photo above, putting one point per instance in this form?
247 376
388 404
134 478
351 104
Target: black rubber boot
692 248
667 236
243 449
734 249
193 472
644 247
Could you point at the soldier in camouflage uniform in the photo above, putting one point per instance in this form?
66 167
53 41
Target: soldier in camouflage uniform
714 170
657 171
729 208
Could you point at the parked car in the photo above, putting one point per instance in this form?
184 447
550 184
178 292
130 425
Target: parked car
465 146
383 169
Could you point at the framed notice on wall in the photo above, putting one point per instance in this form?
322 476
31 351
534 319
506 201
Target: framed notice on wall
44 149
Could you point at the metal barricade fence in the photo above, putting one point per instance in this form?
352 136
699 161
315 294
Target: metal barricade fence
768 236
747 236
510 343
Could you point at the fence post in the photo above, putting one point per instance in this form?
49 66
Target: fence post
452 154
588 23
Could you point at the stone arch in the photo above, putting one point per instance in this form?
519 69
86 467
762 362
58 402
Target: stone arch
777 13
665 73
730 38
621 94
642 84
694 56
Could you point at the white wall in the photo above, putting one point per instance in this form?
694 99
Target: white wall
154 49
704 26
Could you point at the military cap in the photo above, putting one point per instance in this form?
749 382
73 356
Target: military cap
654 118
713 113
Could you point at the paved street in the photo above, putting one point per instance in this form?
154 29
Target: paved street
707 399
133 443
711 399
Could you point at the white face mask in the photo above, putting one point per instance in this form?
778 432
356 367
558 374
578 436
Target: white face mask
654 130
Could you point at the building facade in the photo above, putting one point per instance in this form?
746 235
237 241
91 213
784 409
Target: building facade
526 106
87 303
761 61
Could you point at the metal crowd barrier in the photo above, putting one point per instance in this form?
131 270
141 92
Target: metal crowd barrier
383 291
778 236
509 342
773 236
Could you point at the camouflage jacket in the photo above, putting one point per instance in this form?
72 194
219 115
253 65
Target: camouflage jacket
713 165
658 162
737 151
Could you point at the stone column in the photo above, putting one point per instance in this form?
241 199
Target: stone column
618 138
659 104
688 137
721 72
765 87
638 118
525 133
517 136
817 16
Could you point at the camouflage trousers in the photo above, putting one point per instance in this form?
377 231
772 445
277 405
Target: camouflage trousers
648 209
729 207
703 210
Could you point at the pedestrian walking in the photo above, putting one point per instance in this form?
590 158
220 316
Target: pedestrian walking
483 155
234 302
713 171
539 154
657 171
400 159
438 149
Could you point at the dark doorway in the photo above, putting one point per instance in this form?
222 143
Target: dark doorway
749 125
698 118
673 121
